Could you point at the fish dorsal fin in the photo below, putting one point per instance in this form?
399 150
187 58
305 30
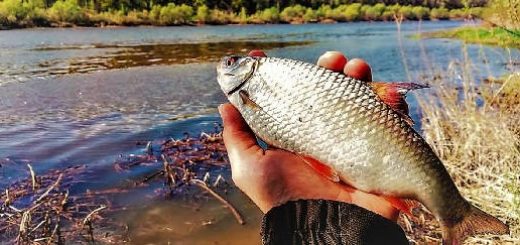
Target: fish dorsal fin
394 95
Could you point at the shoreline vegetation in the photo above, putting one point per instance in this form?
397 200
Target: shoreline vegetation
497 36
100 13
501 27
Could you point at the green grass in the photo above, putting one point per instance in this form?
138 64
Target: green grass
483 35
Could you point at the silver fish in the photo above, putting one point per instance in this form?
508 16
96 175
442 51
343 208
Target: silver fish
343 123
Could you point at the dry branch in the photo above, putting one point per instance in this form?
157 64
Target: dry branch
233 210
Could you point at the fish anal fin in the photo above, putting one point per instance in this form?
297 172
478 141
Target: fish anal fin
394 94
321 168
475 221
404 205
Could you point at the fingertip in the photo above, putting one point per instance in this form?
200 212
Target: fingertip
229 114
237 134
257 53
358 69
333 60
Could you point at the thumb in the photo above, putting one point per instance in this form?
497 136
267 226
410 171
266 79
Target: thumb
237 135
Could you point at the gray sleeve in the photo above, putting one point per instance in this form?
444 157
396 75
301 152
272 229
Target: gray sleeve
328 222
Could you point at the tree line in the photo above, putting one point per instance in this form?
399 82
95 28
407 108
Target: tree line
26 13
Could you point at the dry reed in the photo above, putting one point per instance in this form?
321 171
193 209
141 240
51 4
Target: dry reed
473 127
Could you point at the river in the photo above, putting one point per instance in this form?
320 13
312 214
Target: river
87 95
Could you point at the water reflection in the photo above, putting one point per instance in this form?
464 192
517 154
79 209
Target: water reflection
115 56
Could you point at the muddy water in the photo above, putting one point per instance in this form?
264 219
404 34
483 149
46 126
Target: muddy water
87 96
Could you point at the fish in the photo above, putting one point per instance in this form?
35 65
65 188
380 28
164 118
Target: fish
354 132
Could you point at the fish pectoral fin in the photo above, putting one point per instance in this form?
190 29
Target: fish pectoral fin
394 95
404 205
321 168
246 100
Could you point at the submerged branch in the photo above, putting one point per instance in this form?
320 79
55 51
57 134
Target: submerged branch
233 210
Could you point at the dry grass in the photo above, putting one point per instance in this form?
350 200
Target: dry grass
474 128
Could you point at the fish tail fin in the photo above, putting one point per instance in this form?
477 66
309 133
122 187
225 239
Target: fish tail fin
474 222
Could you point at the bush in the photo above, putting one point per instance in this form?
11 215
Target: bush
221 17
457 14
374 12
310 15
202 14
475 12
420 12
13 10
439 13
242 16
390 12
270 15
292 12
155 13
352 12
172 14
134 18
407 12
323 10
67 11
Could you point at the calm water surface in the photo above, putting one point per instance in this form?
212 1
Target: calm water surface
86 95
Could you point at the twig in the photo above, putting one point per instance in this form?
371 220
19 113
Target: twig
7 198
398 20
55 232
149 177
233 210
50 188
168 172
33 178
218 180
24 223
149 148
89 216
87 221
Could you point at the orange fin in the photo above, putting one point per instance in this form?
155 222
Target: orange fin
348 188
321 168
394 95
404 205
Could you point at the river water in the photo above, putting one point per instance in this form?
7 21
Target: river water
87 95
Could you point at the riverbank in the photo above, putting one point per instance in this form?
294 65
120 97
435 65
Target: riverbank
68 13
497 36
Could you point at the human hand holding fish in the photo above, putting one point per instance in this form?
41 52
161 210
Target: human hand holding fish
276 176
350 131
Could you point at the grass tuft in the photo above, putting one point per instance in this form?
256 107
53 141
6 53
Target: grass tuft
473 127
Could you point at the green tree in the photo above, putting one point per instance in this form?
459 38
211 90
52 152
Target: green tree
353 12
202 14
67 11
310 15
440 13
420 12
242 16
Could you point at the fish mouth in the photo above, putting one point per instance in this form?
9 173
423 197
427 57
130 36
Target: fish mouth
246 79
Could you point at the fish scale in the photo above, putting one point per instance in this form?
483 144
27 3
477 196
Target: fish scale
343 123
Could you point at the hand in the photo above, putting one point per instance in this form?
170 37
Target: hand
276 176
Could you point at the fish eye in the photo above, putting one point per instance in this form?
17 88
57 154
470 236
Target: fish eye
230 61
